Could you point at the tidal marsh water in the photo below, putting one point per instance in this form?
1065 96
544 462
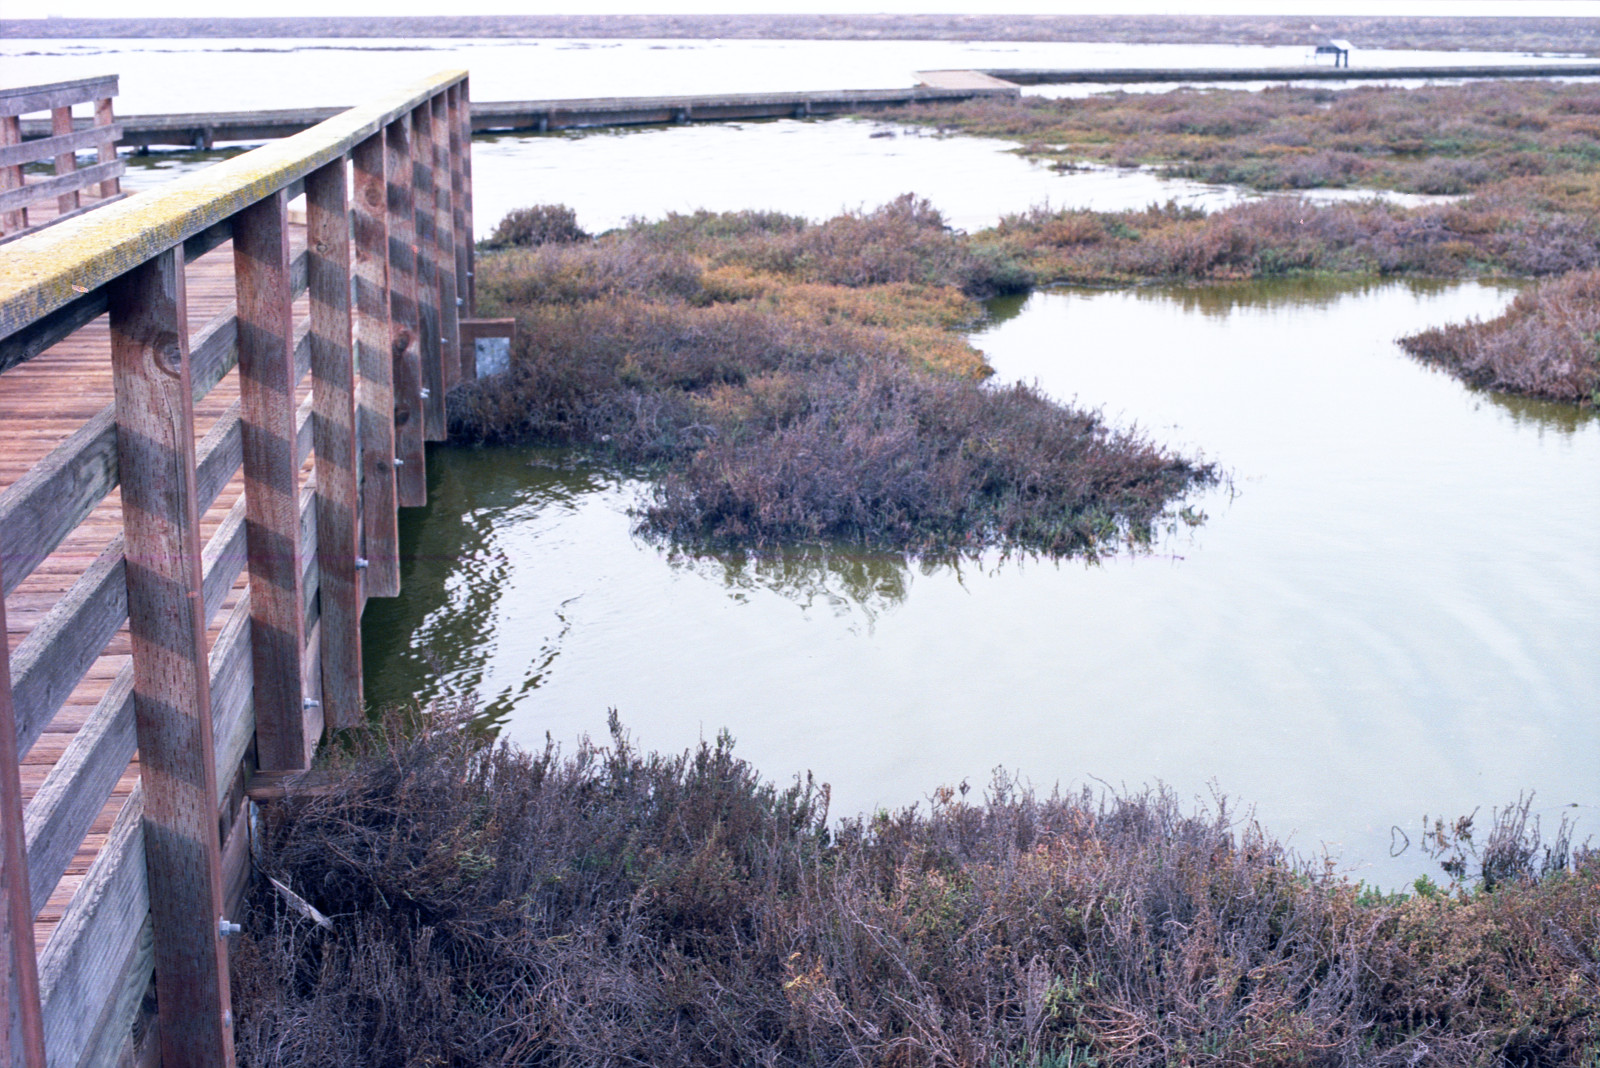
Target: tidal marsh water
1395 609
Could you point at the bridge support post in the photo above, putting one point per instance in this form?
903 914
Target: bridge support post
460 143
444 253
464 103
411 477
285 735
375 361
171 680
431 347
333 435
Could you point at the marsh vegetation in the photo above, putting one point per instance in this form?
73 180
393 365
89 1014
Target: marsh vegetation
616 907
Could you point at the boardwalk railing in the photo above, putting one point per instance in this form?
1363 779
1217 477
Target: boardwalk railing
66 139
370 310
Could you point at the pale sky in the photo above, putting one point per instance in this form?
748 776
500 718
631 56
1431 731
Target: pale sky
1442 8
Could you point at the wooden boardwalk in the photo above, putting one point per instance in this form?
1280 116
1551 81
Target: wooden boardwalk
42 403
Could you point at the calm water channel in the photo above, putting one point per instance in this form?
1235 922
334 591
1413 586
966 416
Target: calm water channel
1396 611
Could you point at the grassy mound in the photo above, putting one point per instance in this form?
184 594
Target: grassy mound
803 383
490 906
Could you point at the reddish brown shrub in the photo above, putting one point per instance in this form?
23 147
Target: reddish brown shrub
497 907
1547 344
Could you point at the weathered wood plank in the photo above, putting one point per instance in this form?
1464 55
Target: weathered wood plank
155 417
111 1040
233 710
444 254
24 99
76 789
464 99
369 220
62 184
459 144
96 137
66 162
334 434
21 1018
39 509
38 272
84 964
271 479
11 177
430 349
109 133
59 651
411 478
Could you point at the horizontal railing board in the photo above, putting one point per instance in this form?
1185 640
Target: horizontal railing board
40 509
83 961
47 148
29 98
75 791
43 506
231 690
58 652
39 272
112 1033
83 177
77 786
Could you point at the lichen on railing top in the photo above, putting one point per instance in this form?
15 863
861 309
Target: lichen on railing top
42 272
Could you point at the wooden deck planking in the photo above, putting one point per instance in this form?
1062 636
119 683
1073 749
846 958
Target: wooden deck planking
42 402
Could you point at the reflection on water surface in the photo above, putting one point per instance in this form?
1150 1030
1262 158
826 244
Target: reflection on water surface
1398 613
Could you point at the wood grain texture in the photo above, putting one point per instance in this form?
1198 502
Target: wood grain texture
459 135
107 132
67 161
369 222
271 479
22 99
444 254
333 393
427 280
155 443
411 477
464 104
21 1018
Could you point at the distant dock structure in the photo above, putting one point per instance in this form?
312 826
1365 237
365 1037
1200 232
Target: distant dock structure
1338 48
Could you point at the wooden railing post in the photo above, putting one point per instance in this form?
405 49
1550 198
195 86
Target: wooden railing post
464 99
375 360
21 1018
460 147
272 482
106 151
411 476
333 432
444 244
66 162
167 625
11 177
423 199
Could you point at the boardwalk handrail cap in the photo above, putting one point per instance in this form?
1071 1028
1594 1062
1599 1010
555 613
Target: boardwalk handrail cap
49 269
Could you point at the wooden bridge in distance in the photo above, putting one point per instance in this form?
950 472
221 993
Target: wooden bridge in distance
210 416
